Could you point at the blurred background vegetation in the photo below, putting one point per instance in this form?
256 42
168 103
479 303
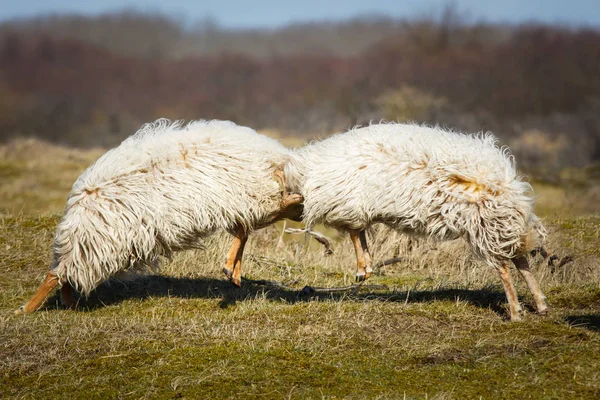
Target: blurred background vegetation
93 80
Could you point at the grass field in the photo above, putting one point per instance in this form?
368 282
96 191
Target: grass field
436 328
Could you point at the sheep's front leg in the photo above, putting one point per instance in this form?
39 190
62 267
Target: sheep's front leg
363 258
233 264
368 259
511 293
540 300
42 292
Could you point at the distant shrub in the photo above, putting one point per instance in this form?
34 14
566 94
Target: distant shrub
409 104
540 153
76 85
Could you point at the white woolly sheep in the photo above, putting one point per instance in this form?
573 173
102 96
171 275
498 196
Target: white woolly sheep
162 190
426 181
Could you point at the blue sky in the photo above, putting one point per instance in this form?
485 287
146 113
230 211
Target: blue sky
273 13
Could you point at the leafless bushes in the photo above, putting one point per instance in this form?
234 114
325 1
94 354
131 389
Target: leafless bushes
89 89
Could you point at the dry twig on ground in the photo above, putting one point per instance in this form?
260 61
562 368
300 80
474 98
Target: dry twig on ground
319 237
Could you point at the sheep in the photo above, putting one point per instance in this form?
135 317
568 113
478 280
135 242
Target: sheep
162 190
425 181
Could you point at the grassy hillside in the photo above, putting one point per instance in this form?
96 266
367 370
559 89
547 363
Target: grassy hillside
434 327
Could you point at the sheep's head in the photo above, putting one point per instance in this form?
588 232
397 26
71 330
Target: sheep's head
292 207
294 212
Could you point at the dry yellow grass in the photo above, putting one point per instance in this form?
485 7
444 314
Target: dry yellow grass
438 330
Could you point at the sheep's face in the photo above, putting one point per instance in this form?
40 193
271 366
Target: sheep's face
293 212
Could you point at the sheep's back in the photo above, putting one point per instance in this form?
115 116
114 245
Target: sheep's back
416 178
213 172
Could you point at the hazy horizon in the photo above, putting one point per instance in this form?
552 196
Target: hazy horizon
274 14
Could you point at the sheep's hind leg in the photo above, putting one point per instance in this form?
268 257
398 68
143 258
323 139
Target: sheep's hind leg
368 259
540 300
49 283
236 278
233 264
363 259
511 293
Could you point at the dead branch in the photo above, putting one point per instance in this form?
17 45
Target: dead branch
563 261
539 250
387 262
319 237
552 259
274 284
309 290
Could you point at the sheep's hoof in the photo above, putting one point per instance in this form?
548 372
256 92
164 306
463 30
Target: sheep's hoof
235 282
228 273
543 312
362 278
517 316
20 310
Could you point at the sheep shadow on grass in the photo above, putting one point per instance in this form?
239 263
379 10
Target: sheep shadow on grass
590 322
115 292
